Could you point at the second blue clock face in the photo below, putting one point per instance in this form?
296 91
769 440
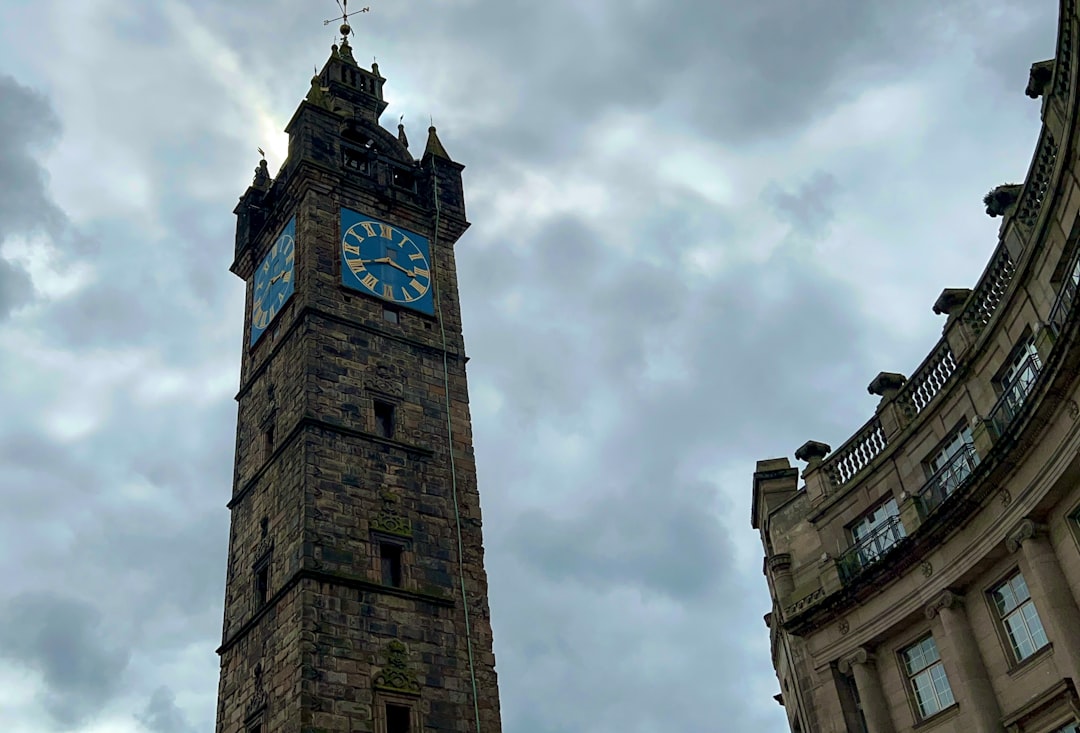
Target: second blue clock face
273 281
386 261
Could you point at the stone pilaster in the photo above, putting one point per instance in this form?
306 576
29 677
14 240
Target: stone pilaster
862 665
960 652
1050 590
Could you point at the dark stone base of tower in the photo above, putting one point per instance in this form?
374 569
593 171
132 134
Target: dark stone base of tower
356 597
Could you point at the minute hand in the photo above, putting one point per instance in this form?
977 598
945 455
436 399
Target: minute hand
410 273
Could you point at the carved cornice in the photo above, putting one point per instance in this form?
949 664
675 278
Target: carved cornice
861 656
1027 529
344 581
306 312
945 599
314 422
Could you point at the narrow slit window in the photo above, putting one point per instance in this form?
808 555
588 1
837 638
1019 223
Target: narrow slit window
264 527
262 585
398 719
390 558
384 419
268 438
390 315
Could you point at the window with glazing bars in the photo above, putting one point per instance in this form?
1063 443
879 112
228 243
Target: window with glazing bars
926 677
950 466
877 531
1018 617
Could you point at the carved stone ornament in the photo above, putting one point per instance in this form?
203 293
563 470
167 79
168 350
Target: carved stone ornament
926 568
385 380
945 599
768 619
886 384
396 676
1039 78
1004 497
319 95
812 452
1027 529
262 176
389 520
860 656
1073 408
844 626
258 702
264 548
1001 199
950 300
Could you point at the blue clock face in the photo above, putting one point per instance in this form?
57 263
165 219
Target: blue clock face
386 261
273 281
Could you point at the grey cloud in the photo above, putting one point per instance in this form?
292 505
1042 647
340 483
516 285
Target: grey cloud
27 126
161 714
62 638
809 209
651 534
736 72
15 287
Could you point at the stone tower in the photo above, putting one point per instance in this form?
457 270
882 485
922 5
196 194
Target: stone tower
356 597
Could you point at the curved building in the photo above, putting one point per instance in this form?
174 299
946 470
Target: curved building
925 575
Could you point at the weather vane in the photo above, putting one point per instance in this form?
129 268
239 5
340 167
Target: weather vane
343 6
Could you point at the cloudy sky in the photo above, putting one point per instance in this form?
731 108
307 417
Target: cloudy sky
699 230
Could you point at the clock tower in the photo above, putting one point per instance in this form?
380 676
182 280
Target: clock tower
356 597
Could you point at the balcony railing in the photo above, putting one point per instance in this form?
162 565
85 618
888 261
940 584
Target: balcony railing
1014 394
948 479
870 549
1060 312
854 455
929 379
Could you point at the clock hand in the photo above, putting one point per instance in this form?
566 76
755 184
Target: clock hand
396 265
